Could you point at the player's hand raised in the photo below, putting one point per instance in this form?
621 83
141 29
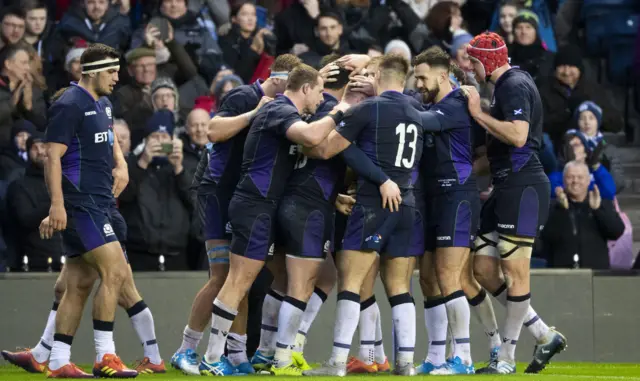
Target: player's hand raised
120 179
473 99
57 216
562 198
594 198
46 230
329 72
390 196
362 84
354 62
344 204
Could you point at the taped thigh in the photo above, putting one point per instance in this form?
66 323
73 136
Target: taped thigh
513 247
486 244
218 254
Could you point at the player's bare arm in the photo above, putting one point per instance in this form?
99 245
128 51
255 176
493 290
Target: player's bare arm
120 170
312 134
53 179
511 132
327 148
223 128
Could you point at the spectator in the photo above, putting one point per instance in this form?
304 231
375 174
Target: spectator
156 204
72 71
294 27
508 11
575 149
398 47
13 25
123 135
588 118
562 93
443 20
37 27
132 102
19 98
14 157
225 80
244 44
580 224
527 50
194 139
331 39
28 203
94 22
164 96
190 31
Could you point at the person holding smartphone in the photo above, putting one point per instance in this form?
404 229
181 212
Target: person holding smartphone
156 202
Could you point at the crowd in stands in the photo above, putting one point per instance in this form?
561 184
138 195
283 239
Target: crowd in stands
180 57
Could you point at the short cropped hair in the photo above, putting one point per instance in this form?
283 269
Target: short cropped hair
285 62
302 75
98 52
394 65
434 57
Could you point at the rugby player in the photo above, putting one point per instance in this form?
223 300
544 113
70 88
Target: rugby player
216 179
388 129
453 206
83 170
268 160
518 206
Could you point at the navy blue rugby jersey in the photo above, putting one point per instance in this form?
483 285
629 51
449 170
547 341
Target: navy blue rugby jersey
388 128
225 158
85 126
269 157
447 162
516 97
316 179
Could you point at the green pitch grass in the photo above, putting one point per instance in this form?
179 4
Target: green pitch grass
554 372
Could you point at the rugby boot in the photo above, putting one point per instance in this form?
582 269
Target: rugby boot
553 344
147 367
25 360
112 367
68 371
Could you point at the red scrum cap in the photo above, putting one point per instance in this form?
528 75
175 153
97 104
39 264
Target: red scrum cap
490 50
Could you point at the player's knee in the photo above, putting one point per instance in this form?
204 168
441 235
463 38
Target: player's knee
512 247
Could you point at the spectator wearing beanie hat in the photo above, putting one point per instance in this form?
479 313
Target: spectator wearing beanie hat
156 203
72 63
398 47
528 51
458 49
588 118
14 157
566 89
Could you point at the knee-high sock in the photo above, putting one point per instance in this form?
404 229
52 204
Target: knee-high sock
190 339
435 317
142 321
289 320
403 312
237 348
43 349
269 328
347 316
517 307
380 356
459 316
536 326
313 307
60 351
103 339
483 310
369 315
221 320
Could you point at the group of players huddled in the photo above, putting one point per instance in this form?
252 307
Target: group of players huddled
285 155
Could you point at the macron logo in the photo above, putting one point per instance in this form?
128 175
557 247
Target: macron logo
89 113
439 112
517 112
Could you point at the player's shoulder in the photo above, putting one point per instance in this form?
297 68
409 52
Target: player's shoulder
241 95
515 79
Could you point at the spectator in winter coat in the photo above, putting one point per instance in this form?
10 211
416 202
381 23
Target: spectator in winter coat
121 129
508 11
588 117
28 204
19 97
331 39
245 43
15 156
37 28
527 50
156 203
580 224
563 92
575 149
72 72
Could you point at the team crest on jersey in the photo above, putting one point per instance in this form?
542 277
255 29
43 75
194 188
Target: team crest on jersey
108 111
107 230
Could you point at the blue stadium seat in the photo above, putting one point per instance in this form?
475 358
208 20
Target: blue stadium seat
601 28
620 59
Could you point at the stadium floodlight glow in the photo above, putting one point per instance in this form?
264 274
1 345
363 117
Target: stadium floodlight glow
49 261
25 260
161 259
63 259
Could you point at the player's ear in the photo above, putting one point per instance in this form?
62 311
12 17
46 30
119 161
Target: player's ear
305 88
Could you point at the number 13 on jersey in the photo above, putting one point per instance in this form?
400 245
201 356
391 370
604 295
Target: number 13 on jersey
402 131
